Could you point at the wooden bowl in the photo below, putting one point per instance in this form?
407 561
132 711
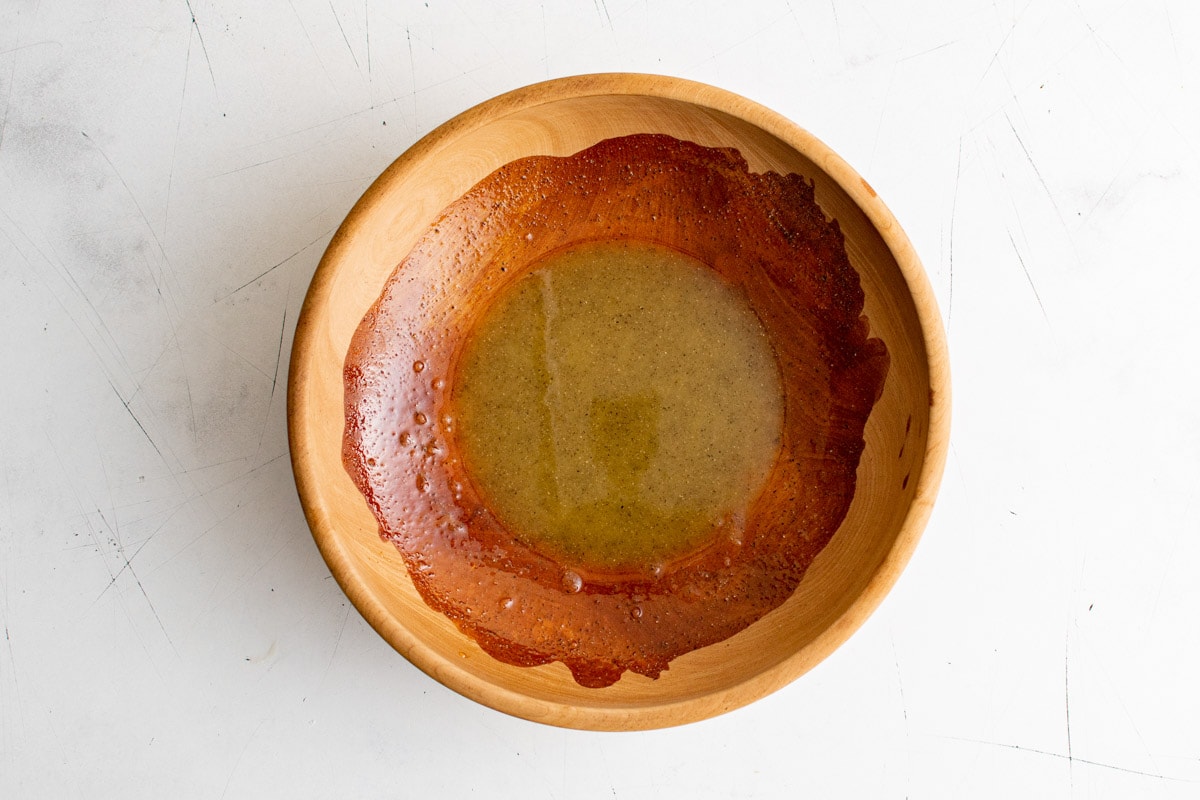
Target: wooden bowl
898 474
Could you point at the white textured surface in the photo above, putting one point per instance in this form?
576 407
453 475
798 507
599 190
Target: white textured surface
167 185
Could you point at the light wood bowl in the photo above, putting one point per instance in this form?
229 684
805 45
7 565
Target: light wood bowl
898 475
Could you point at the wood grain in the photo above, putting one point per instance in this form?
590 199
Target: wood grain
898 474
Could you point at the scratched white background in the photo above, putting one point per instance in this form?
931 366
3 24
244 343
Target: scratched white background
169 176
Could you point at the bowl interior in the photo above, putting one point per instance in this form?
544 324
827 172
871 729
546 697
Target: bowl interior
897 475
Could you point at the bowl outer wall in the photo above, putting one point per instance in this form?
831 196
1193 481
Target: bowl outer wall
640 709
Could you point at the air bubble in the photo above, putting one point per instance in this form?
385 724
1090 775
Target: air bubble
418 366
439 384
636 612
506 603
572 582
406 438
422 484
420 418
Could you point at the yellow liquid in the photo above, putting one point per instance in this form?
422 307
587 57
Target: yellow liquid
619 407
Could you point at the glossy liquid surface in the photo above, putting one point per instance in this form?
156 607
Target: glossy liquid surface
488 534
619 407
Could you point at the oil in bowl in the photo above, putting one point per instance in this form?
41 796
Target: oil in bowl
619 407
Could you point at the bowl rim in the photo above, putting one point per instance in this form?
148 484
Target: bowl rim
612 716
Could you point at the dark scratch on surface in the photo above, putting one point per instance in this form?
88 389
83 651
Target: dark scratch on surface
12 658
241 755
837 25
791 11
274 267
275 379
887 93
953 214
98 331
234 511
85 516
344 37
338 641
1028 277
12 75
545 41
1037 172
31 44
245 167
601 4
311 45
271 161
903 702
187 62
1075 759
137 421
187 385
279 353
934 49
996 55
374 106
1136 148
1171 30
367 31
1067 703
203 46
1097 38
412 74
713 56
132 196
129 565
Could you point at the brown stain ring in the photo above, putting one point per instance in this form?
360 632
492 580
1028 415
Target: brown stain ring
762 232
